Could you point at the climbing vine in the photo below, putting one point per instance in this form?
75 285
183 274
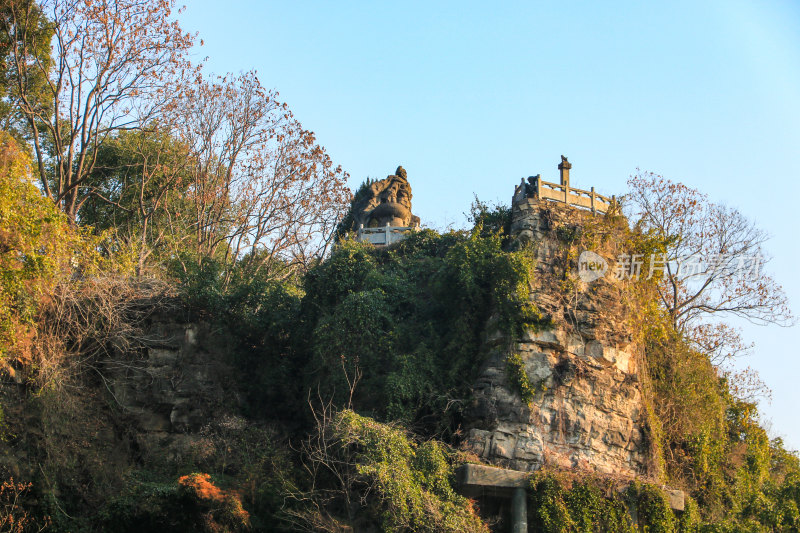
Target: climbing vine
561 503
515 369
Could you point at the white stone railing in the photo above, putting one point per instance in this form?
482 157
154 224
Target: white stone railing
385 235
545 190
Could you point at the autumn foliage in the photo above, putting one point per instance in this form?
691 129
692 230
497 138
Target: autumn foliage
223 508
14 518
37 250
113 66
707 261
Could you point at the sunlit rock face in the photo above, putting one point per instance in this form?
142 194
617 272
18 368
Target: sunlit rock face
387 202
587 412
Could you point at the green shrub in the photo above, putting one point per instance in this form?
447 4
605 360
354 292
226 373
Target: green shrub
515 369
559 503
413 482
652 508
712 442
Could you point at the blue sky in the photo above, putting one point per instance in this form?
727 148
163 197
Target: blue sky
470 97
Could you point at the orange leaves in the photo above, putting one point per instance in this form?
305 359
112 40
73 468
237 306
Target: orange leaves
201 486
14 518
225 505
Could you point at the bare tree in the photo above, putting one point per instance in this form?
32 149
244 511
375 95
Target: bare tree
112 67
261 189
329 461
708 261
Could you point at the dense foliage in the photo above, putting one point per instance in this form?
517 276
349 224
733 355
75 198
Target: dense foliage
396 334
366 474
714 446
399 331
705 426
560 503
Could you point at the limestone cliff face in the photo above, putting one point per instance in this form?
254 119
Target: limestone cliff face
177 388
587 412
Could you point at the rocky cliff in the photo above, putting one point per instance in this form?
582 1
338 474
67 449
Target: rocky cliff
178 390
587 411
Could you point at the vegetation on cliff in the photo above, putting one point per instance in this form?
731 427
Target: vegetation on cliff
393 334
407 323
174 193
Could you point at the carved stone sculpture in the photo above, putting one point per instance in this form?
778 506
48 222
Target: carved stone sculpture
387 201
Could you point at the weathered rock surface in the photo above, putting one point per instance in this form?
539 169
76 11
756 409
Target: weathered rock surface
587 411
175 387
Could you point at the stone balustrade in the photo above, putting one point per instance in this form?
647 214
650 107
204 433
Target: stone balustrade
384 235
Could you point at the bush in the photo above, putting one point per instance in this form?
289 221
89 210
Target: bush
38 249
192 503
713 445
515 370
222 509
368 474
14 516
559 503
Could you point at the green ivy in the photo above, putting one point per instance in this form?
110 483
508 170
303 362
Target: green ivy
560 504
711 442
515 369
413 481
652 508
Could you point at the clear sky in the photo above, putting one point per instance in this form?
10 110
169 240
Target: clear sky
470 97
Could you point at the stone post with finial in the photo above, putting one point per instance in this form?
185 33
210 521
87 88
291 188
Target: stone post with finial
564 167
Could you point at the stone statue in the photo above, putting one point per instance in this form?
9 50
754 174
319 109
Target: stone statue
387 201
530 187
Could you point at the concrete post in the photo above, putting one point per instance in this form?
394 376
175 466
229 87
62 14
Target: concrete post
519 511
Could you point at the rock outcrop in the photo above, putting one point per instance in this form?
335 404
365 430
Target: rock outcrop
176 387
587 411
